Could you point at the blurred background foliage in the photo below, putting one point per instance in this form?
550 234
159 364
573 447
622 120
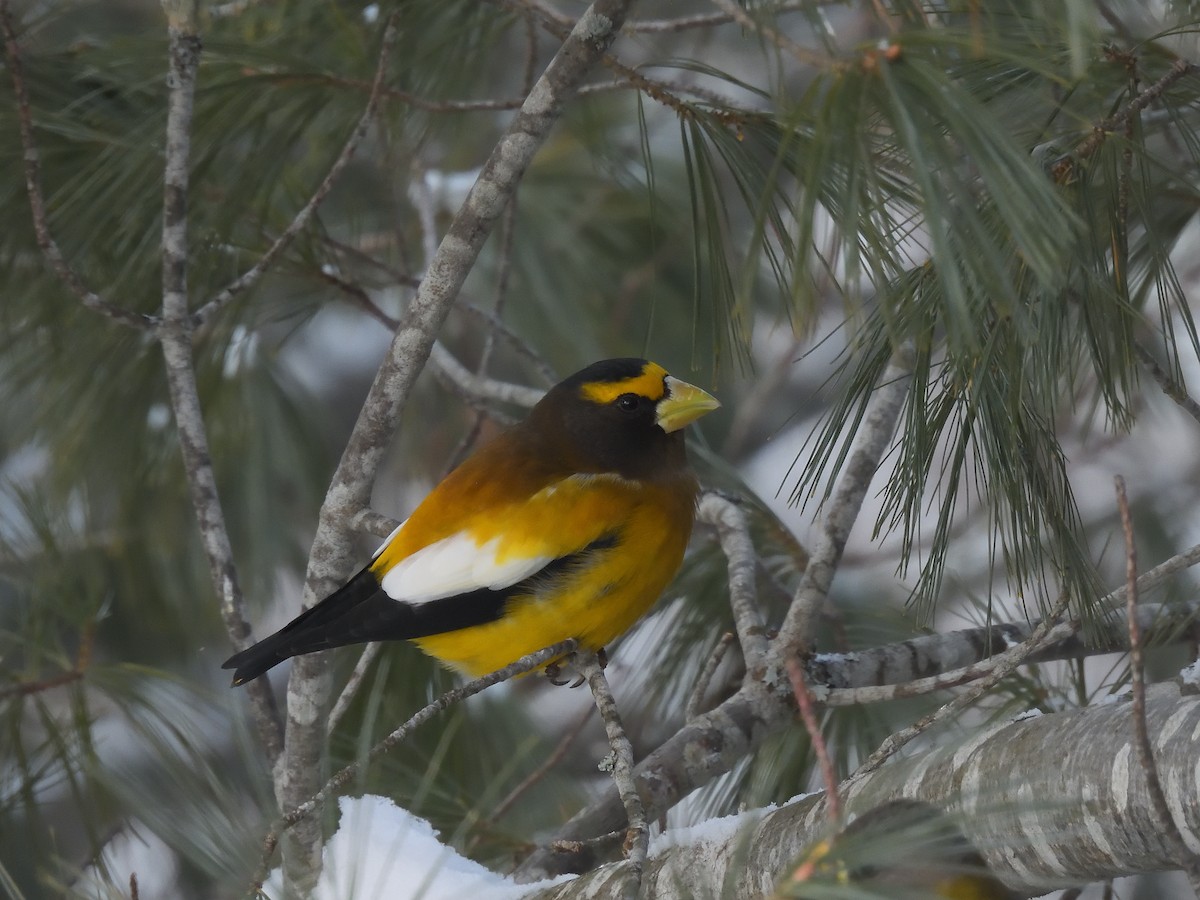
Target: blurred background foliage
963 178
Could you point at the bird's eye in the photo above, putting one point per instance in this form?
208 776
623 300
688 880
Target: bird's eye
628 402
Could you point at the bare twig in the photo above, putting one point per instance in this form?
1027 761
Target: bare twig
83 658
1169 385
478 389
508 230
500 294
250 276
657 90
666 91
555 757
637 838
353 683
1063 169
607 843
734 534
806 56
943 680
363 255
495 326
808 715
391 93
531 40
1154 577
33 189
343 777
175 334
872 441
361 298
708 20
470 385
1137 683
1012 659
523 349
692 708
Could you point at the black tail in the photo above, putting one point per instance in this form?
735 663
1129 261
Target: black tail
356 613
360 612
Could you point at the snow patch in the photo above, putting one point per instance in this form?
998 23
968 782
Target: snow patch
383 852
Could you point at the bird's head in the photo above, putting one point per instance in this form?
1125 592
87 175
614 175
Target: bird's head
623 416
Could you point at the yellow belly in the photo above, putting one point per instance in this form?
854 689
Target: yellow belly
594 606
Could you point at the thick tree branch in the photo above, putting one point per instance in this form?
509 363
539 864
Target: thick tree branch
988 784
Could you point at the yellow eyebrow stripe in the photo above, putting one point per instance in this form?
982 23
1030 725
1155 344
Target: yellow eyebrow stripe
650 383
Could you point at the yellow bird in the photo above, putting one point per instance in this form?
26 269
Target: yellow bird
567 525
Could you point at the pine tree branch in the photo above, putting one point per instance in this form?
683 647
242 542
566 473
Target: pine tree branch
352 686
175 335
33 189
988 785
330 560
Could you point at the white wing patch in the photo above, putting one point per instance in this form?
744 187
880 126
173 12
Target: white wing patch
456 565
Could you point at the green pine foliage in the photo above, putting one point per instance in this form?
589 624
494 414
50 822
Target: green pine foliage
996 187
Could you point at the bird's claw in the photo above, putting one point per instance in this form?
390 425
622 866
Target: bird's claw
554 672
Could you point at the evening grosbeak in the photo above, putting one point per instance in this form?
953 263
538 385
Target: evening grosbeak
566 525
